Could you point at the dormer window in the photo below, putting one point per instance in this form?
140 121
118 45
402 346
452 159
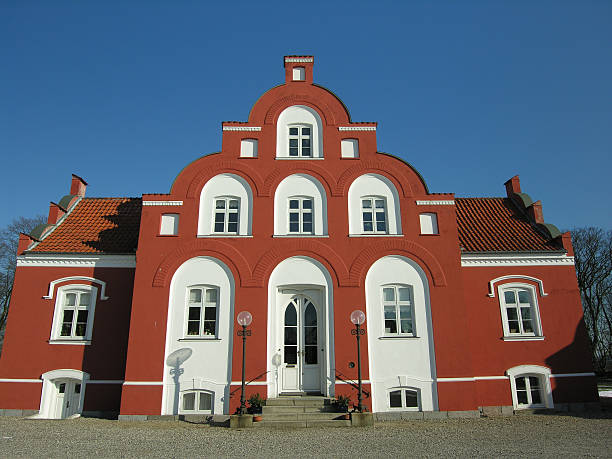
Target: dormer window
300 141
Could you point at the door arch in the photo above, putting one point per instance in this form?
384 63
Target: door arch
63 393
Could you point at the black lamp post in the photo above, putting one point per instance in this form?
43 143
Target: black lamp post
358 318
244 319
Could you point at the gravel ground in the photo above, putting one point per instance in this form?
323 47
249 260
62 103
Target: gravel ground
522 435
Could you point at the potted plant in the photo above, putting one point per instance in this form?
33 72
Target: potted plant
341 405
255 403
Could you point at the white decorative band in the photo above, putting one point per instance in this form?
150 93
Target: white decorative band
492 378
435 203
20 380
242 128
471 260
84 261
162 203
299 59
89 381
365 381
143 383
252 383
357 128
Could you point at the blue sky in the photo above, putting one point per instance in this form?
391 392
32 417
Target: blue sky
126 94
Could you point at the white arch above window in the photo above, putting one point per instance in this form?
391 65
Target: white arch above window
225 185
92 280
542 373
373 185
515 276
299 115
301 185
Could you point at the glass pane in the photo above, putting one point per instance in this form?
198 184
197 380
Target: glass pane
293 142
405 312
305 131
367 217
390 312
535 396
80 329
205 401
307 204
512 314
520 383
307 217
509 297
218 227
293 131
390 326
294 227
310 316
534 382
366 204
310 335
77 388
521 396
210 313
62 388
305 142
527 327
305 151
232 217
379 203
193 327
195 295
70 299
291 335
220 204
68 315
291 355
293 151
232 227
82 315
395 399
66 329
513 326
526 313
307 227
209 327
294 217
211 295
84 299
290 315
219 217
310 356
389 294
404 294
411 398
367 226
189 401
406 326
233 204
381 226
194 313
524 296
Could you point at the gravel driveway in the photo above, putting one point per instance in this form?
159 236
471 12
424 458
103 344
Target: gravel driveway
521 435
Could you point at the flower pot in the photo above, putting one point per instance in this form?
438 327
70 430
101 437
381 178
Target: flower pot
346 416
257 418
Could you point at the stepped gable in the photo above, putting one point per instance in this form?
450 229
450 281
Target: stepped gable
96 225
496 225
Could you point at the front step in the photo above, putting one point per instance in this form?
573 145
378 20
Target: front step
291 411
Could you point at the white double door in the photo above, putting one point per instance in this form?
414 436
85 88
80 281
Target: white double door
67 398
302 345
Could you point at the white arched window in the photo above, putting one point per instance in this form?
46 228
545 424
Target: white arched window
74 314
300 207
530 386
519 311
373 207
404 398
226 207
299 133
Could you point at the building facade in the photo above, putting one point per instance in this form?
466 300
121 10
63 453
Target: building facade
129 305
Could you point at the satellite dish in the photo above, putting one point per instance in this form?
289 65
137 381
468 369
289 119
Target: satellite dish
178 357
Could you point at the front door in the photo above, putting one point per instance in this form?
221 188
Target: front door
301 366
67 398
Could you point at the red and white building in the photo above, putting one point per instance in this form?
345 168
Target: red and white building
469 302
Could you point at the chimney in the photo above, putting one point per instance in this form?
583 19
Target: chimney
566 241
24 243
535 212
55 213
78 186
513 186
298 69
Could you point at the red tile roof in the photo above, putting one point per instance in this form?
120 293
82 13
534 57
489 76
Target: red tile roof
496 225
96 225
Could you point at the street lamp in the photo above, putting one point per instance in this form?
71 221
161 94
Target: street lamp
244 319
358 318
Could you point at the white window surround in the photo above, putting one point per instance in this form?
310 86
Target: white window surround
301 213
349 148
402 390
226 215
397 308
208 300
47 398
300 140
299 73
374 215
429 223
304 186
515 276
199 397
543 374
248 148
77 292
53 283
373 185
302 115
169 225
536 323
224 185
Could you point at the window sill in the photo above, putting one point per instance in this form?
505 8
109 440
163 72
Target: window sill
224 235
429 234
540 406
199 338
523 338
300 235
167 235
77 342
399 337
298 158
376 235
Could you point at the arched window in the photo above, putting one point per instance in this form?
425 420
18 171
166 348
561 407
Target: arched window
404 398
226 207
373 207
299 133
300 207
74 314
196 402
530 386
519 311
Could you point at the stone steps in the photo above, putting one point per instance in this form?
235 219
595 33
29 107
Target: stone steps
294 411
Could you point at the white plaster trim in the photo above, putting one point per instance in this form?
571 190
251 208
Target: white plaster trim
83 261
531 370
456 379
242 128
252 383
363 381
52 285
298 158
435 203
357 128
78 342
473 259
224 235
489 378
162 203
299 59
20 380
523 338
515 276
376 235
143 383
571 375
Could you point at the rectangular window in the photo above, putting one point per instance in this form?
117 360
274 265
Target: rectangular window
75 313
528 390
404 398
301 216
374 215
169 225
398 310
226 213
429 223
197 401
300 138
202 308
519 311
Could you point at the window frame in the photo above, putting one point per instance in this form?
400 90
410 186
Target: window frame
226 212
373 200
58 314
536 323
198 393
403 390
397 303
301 212
202 314
525 371
299 137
